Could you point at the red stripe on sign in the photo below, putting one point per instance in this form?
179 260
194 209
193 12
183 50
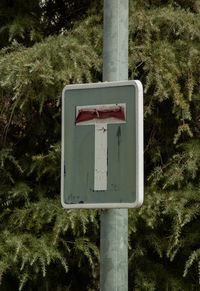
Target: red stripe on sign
85 115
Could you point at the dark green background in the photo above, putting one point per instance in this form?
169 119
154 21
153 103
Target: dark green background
79 148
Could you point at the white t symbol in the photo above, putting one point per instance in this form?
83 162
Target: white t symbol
100 116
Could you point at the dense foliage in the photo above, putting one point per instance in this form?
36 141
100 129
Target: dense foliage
42 246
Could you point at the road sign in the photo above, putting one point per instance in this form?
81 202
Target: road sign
102 145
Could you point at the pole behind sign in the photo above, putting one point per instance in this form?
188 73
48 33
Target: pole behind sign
114 222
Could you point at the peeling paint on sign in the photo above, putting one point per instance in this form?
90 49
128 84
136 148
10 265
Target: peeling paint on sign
100 116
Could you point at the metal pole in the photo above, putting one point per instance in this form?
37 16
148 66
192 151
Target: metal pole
114 222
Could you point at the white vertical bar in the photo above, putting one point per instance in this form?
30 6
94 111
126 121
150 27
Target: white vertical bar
100 160
140 144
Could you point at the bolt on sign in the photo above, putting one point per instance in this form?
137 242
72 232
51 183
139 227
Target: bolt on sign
102 145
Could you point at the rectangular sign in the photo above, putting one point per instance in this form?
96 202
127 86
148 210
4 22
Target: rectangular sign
102 145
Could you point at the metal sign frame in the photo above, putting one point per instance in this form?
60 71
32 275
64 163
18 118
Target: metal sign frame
139 145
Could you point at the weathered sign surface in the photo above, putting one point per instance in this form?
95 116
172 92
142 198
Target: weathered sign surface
102 145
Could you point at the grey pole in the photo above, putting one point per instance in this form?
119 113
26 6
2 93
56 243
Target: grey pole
114 222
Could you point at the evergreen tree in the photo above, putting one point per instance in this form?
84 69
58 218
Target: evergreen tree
44 247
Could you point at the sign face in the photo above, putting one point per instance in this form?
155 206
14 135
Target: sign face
102 145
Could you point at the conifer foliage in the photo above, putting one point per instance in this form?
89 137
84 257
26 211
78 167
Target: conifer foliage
44 247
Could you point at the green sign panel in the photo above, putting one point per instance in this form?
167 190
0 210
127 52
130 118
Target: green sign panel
102 145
